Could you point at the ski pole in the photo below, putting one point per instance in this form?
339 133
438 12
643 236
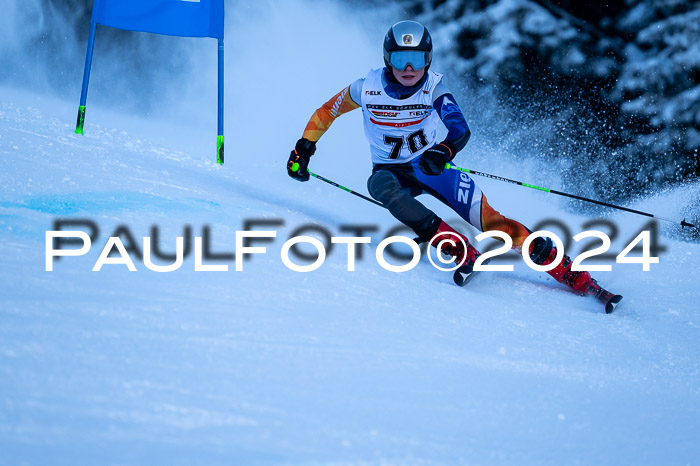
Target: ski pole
573 196
295 168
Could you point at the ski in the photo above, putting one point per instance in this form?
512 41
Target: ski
464 274
609 300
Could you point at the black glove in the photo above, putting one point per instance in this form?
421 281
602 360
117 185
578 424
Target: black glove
433 160
297 166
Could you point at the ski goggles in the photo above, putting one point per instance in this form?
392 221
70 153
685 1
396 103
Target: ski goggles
401 59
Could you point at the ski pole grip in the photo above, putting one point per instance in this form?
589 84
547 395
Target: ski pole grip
295 167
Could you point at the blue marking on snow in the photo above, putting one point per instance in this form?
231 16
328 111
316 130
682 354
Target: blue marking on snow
96 202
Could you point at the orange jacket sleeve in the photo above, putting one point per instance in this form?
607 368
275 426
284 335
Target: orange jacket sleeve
323 118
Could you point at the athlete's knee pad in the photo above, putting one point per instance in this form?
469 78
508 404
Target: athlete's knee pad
384 186
540 249
428 227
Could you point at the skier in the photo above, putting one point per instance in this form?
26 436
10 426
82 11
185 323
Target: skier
402 105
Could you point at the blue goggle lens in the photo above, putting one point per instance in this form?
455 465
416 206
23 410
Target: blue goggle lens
401 60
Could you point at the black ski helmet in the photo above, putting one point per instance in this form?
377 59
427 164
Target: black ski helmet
408 36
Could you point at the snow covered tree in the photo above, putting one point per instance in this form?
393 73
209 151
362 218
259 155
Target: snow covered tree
619 84
658 90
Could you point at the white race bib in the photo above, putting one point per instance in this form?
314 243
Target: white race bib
398 131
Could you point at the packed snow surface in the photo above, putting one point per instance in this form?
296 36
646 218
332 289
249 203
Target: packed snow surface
271 366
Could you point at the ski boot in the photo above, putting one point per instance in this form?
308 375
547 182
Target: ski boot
543 252
455 248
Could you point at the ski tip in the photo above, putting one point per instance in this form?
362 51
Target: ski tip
612 303
463 274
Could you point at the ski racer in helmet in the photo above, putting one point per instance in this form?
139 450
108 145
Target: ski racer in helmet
403 104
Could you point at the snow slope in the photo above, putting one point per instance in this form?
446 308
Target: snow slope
271 366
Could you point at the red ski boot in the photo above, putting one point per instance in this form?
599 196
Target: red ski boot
543 252
454 247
